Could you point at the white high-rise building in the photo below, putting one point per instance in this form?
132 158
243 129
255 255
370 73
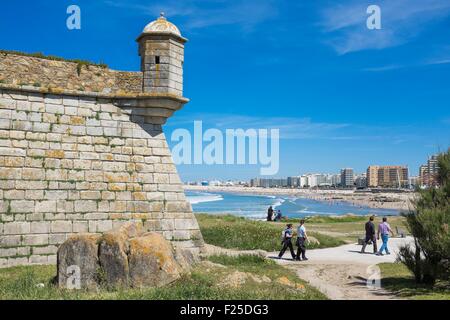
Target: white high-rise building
347 177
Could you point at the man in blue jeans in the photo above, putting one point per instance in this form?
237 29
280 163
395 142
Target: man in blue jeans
384 229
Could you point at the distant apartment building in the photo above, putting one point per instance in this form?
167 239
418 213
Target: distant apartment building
294 182
322 180
414 181
268 183
304 181
423 171
428 171
308 180
335 180
387 176
372 176
347 177
361 181
312 180
393 176
254 182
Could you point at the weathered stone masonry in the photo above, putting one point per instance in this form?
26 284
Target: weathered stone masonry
48 74
76 162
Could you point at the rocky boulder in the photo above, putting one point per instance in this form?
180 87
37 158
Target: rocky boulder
185 258
113 253
77 262
122 257
152 261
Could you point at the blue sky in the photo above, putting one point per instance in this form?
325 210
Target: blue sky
342 95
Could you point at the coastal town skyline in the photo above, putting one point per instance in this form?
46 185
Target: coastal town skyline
420 176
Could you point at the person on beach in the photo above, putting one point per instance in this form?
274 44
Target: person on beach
384 230
287 241
270 214
370 235
301 239
278 216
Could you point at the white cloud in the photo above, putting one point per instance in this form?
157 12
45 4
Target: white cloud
383 68
432 62
402 20
302 128
444 61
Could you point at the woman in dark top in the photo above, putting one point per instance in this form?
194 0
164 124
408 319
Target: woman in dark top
286 242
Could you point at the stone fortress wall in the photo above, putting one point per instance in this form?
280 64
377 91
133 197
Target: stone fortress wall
82 150
71 164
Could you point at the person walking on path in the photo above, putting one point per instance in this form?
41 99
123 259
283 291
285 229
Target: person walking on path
269 213
286 241
301 239
370 235
384 230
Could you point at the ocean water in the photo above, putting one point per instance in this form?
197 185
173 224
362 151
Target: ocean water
255 206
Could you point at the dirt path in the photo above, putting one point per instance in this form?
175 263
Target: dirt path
341 281
342 272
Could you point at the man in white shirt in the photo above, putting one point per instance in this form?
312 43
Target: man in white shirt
301 239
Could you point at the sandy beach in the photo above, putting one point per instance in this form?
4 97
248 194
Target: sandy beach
397 201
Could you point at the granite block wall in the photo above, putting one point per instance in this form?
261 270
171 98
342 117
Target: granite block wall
76 164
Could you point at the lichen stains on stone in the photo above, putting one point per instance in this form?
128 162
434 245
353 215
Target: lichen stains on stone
77 120
55 154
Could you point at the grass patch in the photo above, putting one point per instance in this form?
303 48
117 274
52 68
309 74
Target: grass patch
399 280
348 228
233 232
336 219
242 260
204 283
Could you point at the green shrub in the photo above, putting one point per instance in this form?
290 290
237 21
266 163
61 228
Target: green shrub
40 55
335 219
429 258
248 259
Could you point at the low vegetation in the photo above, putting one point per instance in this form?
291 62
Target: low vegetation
80 63
233 232
335 219
349 228
399 280
243 277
